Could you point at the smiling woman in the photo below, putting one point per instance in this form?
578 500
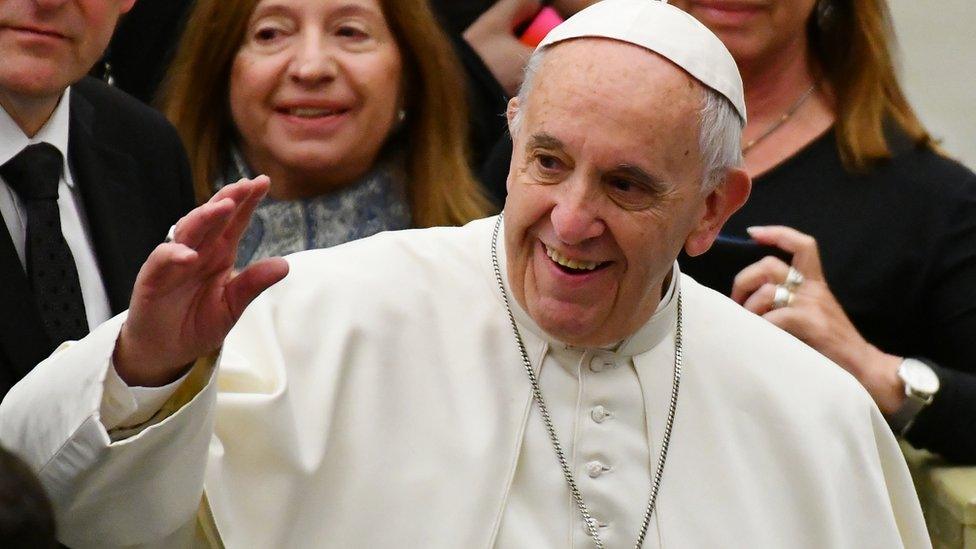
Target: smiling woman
880 226
354 108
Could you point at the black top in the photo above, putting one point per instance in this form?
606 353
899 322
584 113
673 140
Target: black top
898 247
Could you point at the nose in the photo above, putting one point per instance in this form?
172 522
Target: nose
575 217
314 62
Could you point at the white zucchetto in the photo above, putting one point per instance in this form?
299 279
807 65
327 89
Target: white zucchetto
665 30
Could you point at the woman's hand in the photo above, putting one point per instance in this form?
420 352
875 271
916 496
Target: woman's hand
187 296
806 308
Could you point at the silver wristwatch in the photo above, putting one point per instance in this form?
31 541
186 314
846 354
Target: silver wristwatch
921 384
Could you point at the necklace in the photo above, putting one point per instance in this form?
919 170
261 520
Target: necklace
589 521
782 119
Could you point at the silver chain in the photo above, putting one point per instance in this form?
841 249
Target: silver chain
781 120
588 520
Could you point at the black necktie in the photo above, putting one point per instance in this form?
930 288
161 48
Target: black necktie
34 175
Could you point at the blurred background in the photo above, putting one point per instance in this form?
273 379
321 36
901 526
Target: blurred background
938 69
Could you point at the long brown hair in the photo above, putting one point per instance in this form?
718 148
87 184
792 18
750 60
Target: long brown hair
851 42
440 186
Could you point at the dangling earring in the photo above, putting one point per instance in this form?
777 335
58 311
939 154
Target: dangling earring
401 115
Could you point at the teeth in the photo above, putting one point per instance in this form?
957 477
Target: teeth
309 112
571 263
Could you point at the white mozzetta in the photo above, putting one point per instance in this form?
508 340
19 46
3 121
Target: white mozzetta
375 398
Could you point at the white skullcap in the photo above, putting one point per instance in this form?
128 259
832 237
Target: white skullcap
665 30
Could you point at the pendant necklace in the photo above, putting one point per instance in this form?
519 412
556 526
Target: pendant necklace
588 520
782 119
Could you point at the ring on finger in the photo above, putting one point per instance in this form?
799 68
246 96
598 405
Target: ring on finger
793 279
783 297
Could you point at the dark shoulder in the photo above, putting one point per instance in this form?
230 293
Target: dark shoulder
114 113
107 121
923 171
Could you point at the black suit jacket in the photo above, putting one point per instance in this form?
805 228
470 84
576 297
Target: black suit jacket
134 180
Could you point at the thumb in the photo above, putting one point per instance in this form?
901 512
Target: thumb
248 285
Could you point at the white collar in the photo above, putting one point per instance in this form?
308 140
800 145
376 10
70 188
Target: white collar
644 339
54 131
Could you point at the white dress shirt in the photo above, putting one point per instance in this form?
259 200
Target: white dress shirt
74 224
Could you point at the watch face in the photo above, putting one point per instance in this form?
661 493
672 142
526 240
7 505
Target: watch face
919 378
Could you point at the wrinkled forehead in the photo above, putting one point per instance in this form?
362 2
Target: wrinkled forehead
614 81
609 103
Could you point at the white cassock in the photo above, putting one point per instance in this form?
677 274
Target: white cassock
375 398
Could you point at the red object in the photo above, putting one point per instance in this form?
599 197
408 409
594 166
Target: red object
547 19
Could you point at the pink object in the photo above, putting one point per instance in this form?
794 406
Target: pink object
545 21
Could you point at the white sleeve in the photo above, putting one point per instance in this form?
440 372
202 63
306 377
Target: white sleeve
106 494
124 406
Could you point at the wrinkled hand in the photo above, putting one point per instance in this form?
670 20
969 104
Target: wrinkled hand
492 37
187 296
814 315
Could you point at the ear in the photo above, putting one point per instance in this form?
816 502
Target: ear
720 204
126 5
510 112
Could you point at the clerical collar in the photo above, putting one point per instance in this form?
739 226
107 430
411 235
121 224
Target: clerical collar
54 131
653 331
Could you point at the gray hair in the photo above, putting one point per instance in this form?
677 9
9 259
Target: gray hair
719 133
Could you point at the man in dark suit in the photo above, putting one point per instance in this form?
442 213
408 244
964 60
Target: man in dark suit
90 179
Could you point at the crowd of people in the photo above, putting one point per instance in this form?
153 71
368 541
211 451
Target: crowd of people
158 159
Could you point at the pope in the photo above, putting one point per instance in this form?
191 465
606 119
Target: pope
545 378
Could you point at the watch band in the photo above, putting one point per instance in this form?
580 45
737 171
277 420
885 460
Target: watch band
904 417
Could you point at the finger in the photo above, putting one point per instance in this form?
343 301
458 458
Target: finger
806 256
767 270
760 302
238 192
203 222
168 266
242 217
789 319
253 280
188 230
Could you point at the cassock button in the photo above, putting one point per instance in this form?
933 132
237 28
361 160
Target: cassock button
600 414
599 524
594 469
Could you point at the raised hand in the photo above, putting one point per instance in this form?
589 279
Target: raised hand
813 314
187 296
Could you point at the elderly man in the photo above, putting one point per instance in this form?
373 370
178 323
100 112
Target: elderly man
542 379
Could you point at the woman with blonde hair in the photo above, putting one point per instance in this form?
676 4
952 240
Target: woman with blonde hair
881 227
354 108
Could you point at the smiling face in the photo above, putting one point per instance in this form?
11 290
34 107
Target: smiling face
315 89
753 30
46 46
604 189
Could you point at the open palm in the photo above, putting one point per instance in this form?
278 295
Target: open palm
187 296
